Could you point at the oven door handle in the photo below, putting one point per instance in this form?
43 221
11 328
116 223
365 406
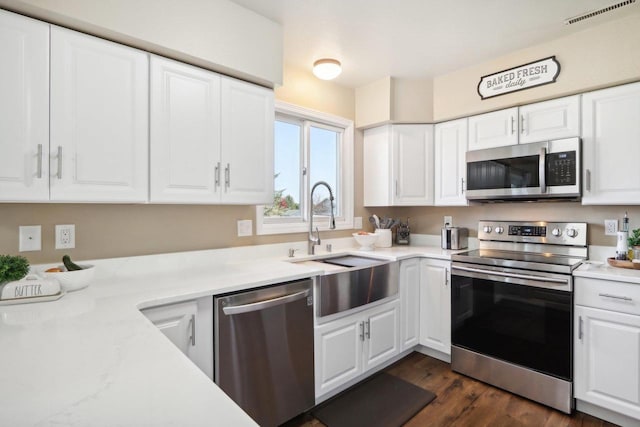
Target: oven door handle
513 275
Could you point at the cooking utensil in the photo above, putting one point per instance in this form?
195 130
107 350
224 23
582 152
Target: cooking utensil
372 220
377 220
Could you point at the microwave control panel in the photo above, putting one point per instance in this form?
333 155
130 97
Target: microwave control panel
561 168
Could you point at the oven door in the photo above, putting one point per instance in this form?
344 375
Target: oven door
517 316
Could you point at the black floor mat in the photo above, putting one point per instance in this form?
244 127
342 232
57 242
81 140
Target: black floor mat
384 400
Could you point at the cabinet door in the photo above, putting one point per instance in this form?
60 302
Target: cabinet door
607 359
99 120
382 339
410 303
338 352
413 165
610 135
450 167
178 323
24 108
555 119
185 133
376 165
247 143
496 129
435 305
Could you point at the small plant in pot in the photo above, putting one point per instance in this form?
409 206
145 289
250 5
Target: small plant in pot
12 268
634 244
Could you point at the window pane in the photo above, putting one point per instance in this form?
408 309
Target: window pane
286 197
323 153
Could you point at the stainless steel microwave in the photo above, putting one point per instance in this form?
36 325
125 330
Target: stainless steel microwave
540 170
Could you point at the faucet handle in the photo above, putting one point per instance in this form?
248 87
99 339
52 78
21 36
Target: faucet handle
292 252
318 236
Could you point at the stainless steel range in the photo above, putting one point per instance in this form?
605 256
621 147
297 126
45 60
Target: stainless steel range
512 308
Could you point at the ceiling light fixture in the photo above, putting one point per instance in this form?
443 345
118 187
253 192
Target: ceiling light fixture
327 68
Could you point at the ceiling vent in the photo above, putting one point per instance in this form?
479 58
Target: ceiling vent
595 13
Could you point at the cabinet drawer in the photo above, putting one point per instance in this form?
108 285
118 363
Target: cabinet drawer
608 295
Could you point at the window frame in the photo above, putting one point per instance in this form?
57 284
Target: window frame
308 118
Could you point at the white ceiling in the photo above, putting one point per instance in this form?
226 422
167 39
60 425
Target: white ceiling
419 38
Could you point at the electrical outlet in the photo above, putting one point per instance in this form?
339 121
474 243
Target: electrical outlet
65 236
610 227
448 221
357 222
245 227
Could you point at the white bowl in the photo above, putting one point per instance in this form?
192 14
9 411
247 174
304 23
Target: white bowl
365 241
73 280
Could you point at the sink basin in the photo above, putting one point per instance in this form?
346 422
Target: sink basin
351 281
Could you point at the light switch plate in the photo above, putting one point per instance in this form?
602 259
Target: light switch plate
65 236
30 238
448 220
245 227
610 227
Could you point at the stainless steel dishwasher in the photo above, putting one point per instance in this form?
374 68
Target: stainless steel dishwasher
263 342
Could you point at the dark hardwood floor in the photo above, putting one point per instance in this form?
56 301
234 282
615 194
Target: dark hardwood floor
462 401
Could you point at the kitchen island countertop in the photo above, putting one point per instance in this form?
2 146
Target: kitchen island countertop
92 359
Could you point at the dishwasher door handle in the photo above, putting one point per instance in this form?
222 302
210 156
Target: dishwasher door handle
261 305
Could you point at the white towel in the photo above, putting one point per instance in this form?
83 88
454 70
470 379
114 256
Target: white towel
29 287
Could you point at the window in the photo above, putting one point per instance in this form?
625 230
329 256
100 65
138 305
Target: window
309 147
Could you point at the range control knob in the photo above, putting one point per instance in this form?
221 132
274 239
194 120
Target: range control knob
487 229
572 232
556 232
499 229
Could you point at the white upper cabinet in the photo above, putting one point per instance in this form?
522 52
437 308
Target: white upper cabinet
185 133
398 165
99 120
611 146
24 108
555 119
450 168
247 143
495 129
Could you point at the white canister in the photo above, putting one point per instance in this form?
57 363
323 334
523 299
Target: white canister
621 247
384 238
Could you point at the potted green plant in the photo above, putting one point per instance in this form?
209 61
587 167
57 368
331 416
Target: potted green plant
12 268
634 244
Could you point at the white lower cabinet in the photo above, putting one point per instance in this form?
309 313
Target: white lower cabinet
350 346
188 325
435 305
607 345
409 303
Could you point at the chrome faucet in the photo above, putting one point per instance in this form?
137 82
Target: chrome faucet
315 240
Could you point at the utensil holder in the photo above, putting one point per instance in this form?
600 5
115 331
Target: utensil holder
384 238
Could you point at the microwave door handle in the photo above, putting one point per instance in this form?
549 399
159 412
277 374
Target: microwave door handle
542 170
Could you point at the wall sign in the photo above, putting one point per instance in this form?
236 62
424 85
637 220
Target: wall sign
537 73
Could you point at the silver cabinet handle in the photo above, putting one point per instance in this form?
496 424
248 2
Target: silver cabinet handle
367 330
192 323
227 176
261 305
39 155
361 325
580 328
522 123
542 170
623 298
513 119
462 185
216 174
588 179
59 174
446 277
397 192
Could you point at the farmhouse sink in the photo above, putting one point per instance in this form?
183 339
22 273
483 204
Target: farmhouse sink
351 281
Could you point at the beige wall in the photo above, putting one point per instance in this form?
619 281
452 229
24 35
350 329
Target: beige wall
219 35
600 56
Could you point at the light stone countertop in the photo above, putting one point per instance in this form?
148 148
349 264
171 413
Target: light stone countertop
92 359
604 271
